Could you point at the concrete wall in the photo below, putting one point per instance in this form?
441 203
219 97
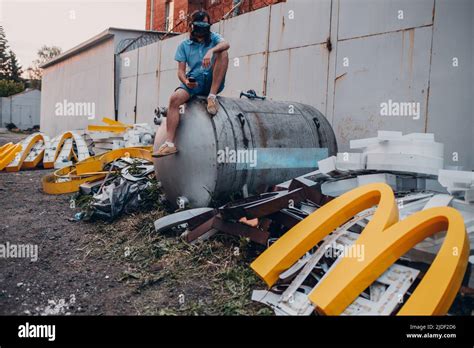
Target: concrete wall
382 50
22 109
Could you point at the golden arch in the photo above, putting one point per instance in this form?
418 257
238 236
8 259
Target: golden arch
385 240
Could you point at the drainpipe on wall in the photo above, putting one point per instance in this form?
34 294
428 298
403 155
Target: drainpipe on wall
152 13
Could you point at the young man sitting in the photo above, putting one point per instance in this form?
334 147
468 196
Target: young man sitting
205 53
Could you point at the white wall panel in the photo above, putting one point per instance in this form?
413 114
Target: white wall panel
368 17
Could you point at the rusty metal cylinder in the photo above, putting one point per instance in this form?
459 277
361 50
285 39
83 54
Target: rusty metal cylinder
248 146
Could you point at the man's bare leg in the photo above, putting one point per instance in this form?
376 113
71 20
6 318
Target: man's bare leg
178 98
219 70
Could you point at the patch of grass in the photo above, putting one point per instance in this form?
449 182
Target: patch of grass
172 277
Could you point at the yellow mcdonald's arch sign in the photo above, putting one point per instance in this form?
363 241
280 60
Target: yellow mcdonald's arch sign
385 239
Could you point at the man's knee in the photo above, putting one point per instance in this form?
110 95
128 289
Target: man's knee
222 56
175 100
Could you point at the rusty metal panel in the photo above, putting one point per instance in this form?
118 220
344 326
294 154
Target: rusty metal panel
244 73
290 78
297 23
393 66
367 17
247 34
451 87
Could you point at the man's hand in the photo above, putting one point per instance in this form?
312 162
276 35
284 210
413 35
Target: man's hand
191 85
206 62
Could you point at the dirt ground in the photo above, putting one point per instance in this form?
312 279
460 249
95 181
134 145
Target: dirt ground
124 267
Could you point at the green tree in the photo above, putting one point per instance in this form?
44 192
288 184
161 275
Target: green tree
45 54
14 68
3 55
8 88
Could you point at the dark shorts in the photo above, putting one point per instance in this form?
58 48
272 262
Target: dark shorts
203 88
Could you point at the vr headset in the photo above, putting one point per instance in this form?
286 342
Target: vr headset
201 29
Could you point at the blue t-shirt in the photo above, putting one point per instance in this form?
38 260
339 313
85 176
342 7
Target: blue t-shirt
193 53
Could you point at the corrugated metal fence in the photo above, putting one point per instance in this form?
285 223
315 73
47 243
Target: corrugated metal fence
348 58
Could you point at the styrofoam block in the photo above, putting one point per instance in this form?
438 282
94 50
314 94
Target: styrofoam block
388 142
386 178
103 135
404 163
388 135
337 188
118 144
420 136
407 146
456 178
327 165
350 161
441 200
361 143
469 195
410 184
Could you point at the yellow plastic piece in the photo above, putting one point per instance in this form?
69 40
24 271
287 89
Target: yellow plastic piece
15 165
115 129
34 163
111 122
384 241
5 147
54 187
9 155
68 179
437 290
96 163
305 235
49 163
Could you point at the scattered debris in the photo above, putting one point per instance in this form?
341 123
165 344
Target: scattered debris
69 147
69 178
115 135
408 164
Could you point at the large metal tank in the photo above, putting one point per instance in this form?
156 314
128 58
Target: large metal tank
248 146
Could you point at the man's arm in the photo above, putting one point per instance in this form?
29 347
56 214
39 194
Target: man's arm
182 72
220 47
182 75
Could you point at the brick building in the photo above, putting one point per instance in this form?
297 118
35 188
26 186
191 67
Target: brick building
165 15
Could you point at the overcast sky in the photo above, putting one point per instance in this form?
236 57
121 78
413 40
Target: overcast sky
29 24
